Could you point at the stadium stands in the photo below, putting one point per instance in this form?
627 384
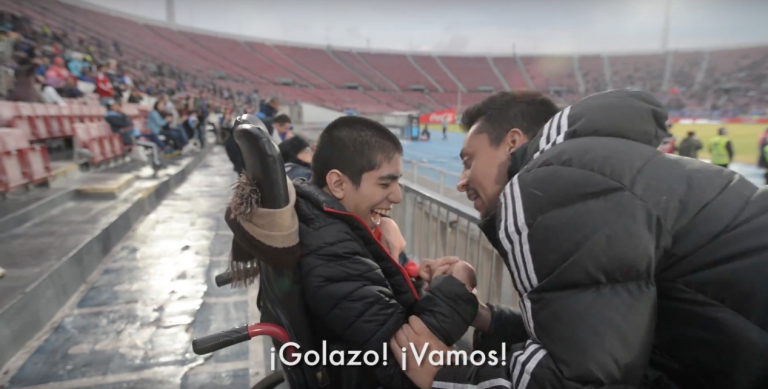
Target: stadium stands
399 69
359 65
548 73
511 72
638 71
475 73
724 80
592 70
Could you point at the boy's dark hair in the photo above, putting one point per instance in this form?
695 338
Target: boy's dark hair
281 119
354 146
527 110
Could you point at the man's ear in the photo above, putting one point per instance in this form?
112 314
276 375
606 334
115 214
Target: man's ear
335 181
514 139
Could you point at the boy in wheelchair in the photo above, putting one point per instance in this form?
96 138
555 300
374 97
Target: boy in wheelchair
343 287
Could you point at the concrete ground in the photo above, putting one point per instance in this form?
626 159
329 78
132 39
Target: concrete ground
132 324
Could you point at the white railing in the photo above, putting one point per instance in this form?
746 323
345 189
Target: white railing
437 180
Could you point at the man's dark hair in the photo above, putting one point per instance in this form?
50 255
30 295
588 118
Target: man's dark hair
281 119
527 110
354 146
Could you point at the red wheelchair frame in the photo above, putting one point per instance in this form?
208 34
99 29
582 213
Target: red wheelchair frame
221 340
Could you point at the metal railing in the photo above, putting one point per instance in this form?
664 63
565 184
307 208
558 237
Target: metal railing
434 179
435 226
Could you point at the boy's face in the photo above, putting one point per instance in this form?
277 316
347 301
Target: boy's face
378 191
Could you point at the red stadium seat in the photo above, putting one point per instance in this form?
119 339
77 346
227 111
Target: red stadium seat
65 120
85 140
8 113
24 119
76 111
21 162
52 114
39 125
11 176
12 139
35 164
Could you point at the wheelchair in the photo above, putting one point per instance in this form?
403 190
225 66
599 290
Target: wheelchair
284 316
279 323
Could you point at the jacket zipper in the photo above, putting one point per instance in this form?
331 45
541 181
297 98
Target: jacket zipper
402 271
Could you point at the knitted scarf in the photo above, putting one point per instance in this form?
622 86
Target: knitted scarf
268 236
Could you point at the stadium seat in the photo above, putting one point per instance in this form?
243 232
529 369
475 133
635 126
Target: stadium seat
86 141
40 130
11 176
52 120
76 110
65 120
22 163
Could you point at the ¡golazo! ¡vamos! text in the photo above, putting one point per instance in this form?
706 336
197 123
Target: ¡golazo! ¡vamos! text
289 356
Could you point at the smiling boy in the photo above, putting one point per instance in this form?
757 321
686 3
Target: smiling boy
357 294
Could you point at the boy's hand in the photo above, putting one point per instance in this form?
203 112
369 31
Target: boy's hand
465 273
416 335
431 268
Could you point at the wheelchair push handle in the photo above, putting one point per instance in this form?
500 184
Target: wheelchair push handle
215 342
223 279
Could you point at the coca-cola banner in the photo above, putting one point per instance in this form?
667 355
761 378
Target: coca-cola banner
437 117
720 121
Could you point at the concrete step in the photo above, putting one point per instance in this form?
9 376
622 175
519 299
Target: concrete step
51 244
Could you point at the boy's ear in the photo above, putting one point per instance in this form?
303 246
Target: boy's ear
335 182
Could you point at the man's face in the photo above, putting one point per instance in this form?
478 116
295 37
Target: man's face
378 191
282 128
485 168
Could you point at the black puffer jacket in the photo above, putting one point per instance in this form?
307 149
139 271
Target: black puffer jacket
631 265
359 296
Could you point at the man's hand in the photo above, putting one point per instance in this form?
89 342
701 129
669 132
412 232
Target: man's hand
482 321
391 238
413 336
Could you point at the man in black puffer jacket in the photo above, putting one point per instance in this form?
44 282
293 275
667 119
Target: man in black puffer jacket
634 268
357 295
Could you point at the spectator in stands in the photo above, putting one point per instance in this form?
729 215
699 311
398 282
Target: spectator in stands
690 146
8 41
76 65
171 109
104 87
42 67
282 128
70 91
202 107
268 110
135 97
24 87
56 76
297 156
158 122
120 123
189 124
